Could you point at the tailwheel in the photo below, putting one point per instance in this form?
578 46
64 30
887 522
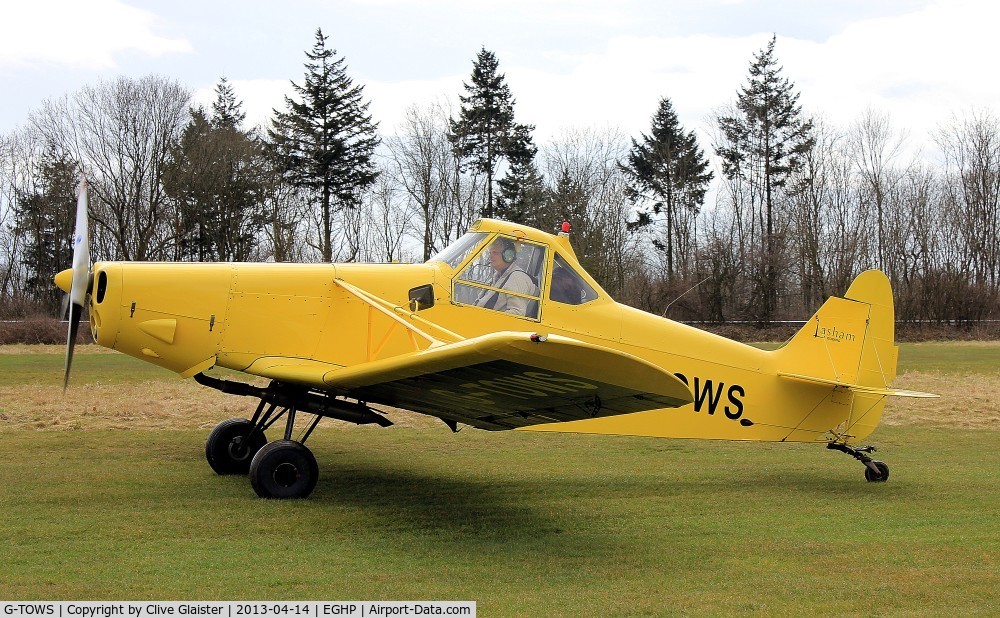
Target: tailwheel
875 471
879 476
284 469
231 446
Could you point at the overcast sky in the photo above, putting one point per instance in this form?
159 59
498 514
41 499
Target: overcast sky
593 63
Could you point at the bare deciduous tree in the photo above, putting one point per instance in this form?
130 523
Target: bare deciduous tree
589 189
421 153
388 223
971 148
875 146
121 131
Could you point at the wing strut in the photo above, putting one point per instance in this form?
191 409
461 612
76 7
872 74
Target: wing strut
395 313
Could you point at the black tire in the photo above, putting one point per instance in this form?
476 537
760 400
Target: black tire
227 449
882 468
284 469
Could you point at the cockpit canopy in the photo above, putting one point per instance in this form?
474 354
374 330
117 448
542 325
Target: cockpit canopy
511 271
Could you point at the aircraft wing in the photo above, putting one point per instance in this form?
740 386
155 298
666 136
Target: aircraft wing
502 380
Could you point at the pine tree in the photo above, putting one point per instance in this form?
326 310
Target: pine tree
569 200
669 169
485 132
216 176
227 110
188 181
522 192
764 145
325 141
46 223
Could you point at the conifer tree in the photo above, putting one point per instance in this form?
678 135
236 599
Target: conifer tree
485 133
227 110
522 191
46 224
325 140
567 201
668 169
216 176
188 181
764 144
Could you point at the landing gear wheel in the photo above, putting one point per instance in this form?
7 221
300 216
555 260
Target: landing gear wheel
883 475
228 449
284 469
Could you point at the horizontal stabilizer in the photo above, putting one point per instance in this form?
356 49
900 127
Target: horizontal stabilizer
857 388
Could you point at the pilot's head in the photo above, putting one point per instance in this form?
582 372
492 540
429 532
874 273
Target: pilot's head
502 253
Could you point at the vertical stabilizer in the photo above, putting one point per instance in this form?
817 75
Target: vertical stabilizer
849 343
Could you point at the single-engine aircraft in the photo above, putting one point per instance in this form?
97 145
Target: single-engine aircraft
450 338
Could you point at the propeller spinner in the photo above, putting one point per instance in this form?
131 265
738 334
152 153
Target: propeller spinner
77 281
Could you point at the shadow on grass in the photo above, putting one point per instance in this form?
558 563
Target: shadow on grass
436 503
465 503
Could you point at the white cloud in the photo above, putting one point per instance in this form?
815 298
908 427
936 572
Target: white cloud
74 34
920 66
389 101
623 85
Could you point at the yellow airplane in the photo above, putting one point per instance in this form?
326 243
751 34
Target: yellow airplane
502 330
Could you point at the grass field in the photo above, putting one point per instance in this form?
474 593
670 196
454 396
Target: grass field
97 501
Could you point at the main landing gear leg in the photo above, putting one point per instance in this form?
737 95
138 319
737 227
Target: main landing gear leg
284 468
875 471
280 469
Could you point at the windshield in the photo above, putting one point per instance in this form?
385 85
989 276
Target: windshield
455 253
504 277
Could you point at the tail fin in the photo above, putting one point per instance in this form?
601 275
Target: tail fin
848 344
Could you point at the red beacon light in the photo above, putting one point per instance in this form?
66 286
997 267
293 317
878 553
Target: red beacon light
564 228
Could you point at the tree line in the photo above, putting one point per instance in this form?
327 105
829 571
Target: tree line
783 212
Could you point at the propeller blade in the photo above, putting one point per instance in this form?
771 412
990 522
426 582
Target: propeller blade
80 285
81 250
75 313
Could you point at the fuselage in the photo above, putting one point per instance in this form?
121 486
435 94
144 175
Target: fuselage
241 316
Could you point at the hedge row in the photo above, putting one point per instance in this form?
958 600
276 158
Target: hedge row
41 329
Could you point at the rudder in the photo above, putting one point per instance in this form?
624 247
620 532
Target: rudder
849 343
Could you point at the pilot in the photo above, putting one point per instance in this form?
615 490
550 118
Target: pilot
507 275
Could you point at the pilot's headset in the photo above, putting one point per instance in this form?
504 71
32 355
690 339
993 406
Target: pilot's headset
508 250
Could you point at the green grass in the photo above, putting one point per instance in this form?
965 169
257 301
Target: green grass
522 523
942 357
950 358
48 369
